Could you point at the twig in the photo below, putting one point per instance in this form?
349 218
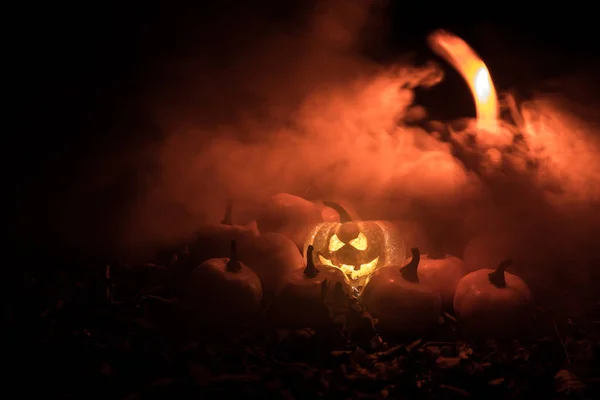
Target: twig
450 344
560 339
456 390
488 357
450 317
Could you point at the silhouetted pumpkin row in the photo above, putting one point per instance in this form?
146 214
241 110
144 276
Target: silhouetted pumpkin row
238 271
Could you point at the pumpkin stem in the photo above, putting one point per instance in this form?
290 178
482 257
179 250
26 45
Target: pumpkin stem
233 265
497 277
409 271
310 271
344 215
227 220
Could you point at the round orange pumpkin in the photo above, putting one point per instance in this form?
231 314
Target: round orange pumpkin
400 300
493 303
224 291
301 301
358 248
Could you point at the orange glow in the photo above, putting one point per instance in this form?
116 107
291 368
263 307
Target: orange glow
474 71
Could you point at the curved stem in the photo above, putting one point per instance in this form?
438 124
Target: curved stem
409 271
497 277
310 271
344 216
233 265
227 220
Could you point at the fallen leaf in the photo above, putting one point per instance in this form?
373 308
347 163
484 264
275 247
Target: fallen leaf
568 382
456 390
465 352
237 378
376 342
413 345
388 354
338 353
448 362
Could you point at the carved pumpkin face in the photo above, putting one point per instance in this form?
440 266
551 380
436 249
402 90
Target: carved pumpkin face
358 248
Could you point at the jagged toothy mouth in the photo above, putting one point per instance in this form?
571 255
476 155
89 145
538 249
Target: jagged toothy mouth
350 270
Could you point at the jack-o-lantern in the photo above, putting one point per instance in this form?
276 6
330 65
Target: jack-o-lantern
358 248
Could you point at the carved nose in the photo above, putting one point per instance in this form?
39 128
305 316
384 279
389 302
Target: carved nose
347 255
347 252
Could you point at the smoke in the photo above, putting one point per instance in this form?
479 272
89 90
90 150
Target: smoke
302 113
568 147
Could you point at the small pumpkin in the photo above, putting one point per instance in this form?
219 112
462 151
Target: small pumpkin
442 271
358 248
301 300
293 216
224 291
400 300
272 256
493 303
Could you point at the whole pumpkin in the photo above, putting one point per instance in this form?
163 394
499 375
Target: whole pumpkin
358 248
224 291
273 257
293 216
442 271
400 300
301 300
493 303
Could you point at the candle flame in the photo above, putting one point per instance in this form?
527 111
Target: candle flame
473 70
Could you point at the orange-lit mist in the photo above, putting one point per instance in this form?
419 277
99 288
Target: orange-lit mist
299 111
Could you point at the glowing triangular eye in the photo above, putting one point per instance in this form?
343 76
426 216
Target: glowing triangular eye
359 243
335 243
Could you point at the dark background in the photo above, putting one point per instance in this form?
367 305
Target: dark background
80 74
